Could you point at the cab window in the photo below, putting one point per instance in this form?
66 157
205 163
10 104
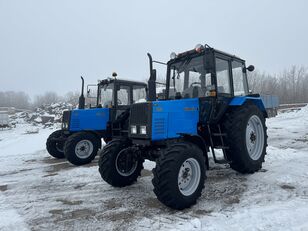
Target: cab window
238 78
223 77
123 95
139 94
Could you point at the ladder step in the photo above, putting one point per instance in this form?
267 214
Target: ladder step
221 147
221 161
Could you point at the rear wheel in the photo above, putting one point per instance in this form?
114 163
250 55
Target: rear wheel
55 144
246 137
179 175
81 148
118 164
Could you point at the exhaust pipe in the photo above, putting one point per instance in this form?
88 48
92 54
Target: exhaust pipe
152 80
81 103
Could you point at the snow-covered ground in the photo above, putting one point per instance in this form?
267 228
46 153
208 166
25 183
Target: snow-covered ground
38 192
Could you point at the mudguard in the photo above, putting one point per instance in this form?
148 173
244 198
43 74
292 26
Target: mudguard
240 100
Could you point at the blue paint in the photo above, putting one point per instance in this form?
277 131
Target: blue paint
89 119
171 117
240 100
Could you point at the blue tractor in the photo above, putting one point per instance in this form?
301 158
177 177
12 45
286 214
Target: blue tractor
210 108
82 129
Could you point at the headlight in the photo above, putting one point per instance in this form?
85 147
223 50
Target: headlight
65 125
143 130
133 129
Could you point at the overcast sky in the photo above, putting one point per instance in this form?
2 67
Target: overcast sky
47 45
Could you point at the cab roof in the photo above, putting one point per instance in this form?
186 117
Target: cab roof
194 53
122 81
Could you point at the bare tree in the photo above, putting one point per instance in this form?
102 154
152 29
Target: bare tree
291 85
14 99
47 98
71 97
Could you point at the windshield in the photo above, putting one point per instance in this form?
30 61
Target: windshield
106 95
188 79
139 94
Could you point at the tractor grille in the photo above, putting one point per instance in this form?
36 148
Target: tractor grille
66 120
140 113
66 116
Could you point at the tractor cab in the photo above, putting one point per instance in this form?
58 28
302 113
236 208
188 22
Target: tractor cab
206 72
117 96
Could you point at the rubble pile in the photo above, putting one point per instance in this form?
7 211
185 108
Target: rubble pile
46 115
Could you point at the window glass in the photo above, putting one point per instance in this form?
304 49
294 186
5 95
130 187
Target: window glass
238 78
123 95
106 95
139 94
188 79
223 78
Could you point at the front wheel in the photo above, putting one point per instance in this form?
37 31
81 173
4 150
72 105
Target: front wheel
118 164
81 148
179 175
55 144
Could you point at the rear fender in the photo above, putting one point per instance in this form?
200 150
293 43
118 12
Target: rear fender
240 100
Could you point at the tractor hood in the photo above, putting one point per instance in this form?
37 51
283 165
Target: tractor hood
164 119
85 119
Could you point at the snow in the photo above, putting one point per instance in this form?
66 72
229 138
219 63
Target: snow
38 192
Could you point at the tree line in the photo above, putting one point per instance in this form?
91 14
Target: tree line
291 86
21 100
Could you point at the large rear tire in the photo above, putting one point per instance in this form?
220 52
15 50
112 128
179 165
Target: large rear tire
81 148
179 175
55 147
119 166
246 138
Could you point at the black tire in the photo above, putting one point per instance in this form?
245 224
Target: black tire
166 173
55 148
91 143
234 124
107 163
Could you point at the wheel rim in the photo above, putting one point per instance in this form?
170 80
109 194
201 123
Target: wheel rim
125 163
254 137
189 176
84 149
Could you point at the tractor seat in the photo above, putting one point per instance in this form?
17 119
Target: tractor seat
195 92
192 92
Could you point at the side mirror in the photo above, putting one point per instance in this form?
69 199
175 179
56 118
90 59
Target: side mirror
250 68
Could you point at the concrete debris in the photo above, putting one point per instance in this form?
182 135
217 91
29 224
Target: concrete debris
46 115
